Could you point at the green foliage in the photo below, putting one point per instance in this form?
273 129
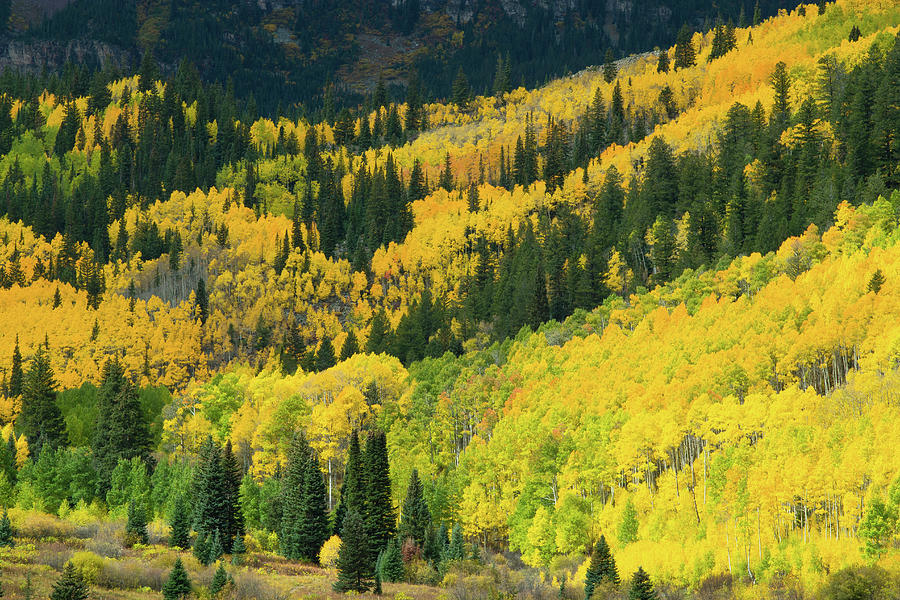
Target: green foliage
219 580
878 526
641 588
876 281
379 515
391 563
415 518
602 568
856 583
180 525
136 525
178 585
6 531
355 572
628 527
70 586
41 420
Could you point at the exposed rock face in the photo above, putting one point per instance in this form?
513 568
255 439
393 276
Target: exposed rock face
33 56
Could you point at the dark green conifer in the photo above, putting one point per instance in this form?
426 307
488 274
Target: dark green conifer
354 563
350 347
16 375
641 588
41 419
178 585
379 512
685 55
325 355
219 580
180 525
6 531
70 586
136 525
392 562
415 518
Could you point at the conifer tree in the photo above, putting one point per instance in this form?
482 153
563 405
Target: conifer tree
379 333
325 355
216 549
876 281
350 347
610 70
6 531
662 65
202 301
461 90
16 376
293 498
685 55
180 525
70 586
456 550
641 588
313 530
122 430
201 547
219 580
234 517
238 549
379 512
178 585
354 563
42 421
602 568
415 518
136 525
392 562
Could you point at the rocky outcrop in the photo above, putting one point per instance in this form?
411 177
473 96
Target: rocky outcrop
36 55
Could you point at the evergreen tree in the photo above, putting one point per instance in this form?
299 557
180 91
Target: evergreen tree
41 420
415 518
293 498
662 65
379 333
379 512
215 549
219 580
610 70
876 281
628 528
202 301
70 586
180 525
16 376
350 347
313 530
456 550
353 491
641 588
461 91
6 531
234 521
213 498
325 355
178 585
122 429
602 568
136 525
238 549
392 563
354 563
201 548
685 55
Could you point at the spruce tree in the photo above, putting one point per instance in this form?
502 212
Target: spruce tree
876 281
16 376
354 561
392 562
415 518
70 586
662 66
178 585
325 355
685 55
201 548
122 430
136 525
456 550
610 70
234 518
6 531
461 90
313 530
216 549
238 549
379 512
202 298
641 588
41 420
219 580
350 347
602 568
180 525
293 498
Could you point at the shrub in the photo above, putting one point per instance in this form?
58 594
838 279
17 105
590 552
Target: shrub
131 574
54 555
89 564
851 583
37 525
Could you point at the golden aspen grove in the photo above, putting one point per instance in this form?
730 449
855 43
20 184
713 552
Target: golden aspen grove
624 333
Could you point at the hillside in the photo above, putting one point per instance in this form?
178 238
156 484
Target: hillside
286 52
645 309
